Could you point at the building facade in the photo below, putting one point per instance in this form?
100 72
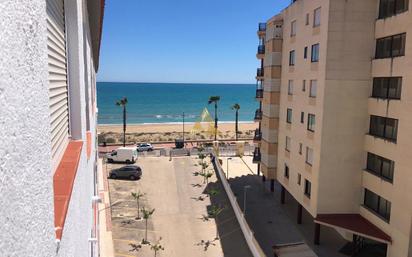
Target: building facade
340 133
49 55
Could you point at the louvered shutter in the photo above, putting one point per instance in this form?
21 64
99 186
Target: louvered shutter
58 91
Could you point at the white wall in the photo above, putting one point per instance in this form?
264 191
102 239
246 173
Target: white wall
26 186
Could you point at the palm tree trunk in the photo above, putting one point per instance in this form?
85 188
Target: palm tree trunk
237 121
124 126
145 235
215 121
138 210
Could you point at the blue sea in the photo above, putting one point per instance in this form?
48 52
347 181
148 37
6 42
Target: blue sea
166 102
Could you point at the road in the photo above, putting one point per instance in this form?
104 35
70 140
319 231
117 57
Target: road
180 202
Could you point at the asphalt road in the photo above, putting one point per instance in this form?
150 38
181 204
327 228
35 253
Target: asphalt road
180 202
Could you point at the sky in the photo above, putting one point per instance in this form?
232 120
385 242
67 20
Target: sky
183 41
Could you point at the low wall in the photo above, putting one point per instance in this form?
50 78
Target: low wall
247 232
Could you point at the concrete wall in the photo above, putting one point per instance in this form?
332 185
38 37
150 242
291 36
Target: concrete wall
26 185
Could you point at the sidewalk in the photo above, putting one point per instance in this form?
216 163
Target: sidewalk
105 228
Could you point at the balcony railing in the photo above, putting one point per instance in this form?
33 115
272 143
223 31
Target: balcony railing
262 27
261 49
259 93
258 115
256 155
258 135
260 72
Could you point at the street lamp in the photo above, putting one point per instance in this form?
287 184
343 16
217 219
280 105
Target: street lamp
244 198
227 167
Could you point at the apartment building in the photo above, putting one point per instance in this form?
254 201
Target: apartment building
49 55
341 125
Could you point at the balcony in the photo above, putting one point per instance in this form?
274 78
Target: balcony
258 136
259 94
261 52
258 115
256 155
261 29
260 73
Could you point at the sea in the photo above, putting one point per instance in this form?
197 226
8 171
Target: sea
150 103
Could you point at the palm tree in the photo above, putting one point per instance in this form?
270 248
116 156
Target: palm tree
236 107
215 100
146 216
123 102
137 197
157 247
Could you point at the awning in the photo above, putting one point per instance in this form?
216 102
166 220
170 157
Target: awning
355 224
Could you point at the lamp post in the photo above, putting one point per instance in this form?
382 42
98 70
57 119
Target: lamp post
227 167
244 198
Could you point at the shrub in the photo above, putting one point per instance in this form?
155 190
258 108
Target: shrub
110 140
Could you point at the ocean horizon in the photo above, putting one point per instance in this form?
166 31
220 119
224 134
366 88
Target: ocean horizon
164 103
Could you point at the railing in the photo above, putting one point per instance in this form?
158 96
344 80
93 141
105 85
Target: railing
259 93
261 49
260 72
258 135
262 27
256 155
258 114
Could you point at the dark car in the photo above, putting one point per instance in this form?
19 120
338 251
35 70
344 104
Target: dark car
130 171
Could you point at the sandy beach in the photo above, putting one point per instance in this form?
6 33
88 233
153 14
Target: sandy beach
169 132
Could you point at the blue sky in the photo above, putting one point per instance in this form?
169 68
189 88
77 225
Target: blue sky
208 41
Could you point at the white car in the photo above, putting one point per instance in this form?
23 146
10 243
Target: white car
144 147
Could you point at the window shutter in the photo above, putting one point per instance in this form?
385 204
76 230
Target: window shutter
58 90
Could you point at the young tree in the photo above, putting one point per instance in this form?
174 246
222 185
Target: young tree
157 247
214 213
137 196
206 175
123 102
215 100
146 215
236 107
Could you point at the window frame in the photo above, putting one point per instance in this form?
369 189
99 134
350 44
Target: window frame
308 149
313 81
289 111
315 58
308 188
288 143
305 52
292 61
290 87
401 53
385 126
311 122
293 28
386 13
382 160
286 171
386 82
317 24
377 209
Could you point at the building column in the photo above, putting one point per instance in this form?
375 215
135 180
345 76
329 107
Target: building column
299 217
272 185
282 195
316 239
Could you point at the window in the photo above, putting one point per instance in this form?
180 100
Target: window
299 179
309 156
300 148
289 115
311 122
290 87
388 8
316 17
308 188
315 53
293 28
307 19
387 88
287 144
383 127
305 52
286 174
304 85
302 117
392 46
313 88
292 58
380 166
377 204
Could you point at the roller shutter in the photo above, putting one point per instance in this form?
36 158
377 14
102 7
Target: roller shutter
58 90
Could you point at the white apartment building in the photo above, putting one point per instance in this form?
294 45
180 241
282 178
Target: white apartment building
49 56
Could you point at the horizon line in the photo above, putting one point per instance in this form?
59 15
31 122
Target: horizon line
213 83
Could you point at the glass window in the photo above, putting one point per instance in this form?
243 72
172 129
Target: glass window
302 117
299 178
286 174
289 115
380 166
389 8
290 87
383 127
292 58
293 29
305 52
288 142
309 155
377 204
311 122
308 188
313 88
304 85
316 17
315 53
387 87
392 46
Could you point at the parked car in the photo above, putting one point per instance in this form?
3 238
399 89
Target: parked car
144 147
122 154
130 171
